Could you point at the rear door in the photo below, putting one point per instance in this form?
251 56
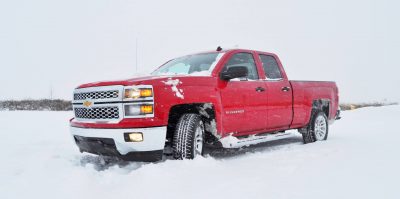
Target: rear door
243 100
279 94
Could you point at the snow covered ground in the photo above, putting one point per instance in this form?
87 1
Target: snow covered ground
360 159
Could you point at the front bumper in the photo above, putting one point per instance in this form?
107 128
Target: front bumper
111 142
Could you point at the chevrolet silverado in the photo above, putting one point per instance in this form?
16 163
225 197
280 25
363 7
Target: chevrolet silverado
226 98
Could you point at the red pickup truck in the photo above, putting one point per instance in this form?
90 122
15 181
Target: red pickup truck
224 98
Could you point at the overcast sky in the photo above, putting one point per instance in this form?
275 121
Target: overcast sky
48 44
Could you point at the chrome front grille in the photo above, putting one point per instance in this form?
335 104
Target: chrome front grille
105 104
97 95
105 112
98 104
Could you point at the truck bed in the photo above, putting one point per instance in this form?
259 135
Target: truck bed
305 92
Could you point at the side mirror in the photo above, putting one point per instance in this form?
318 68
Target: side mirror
234 72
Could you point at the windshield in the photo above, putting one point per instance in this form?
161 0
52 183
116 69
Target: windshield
200 64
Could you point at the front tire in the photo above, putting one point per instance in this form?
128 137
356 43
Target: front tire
188 137
317 129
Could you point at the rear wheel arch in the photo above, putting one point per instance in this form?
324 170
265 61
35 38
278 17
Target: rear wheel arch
317 129
320 105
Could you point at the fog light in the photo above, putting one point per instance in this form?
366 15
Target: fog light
133 137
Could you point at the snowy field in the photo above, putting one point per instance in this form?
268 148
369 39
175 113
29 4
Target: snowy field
360 159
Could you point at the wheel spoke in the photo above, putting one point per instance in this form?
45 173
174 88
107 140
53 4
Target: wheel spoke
320 128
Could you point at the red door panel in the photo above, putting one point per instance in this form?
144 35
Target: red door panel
244 108
279 93
279 104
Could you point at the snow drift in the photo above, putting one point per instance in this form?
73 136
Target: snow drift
359 160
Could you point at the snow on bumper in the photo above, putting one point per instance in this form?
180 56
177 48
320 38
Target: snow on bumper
153 138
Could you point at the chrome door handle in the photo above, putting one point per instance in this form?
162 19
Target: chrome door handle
285 89
260 89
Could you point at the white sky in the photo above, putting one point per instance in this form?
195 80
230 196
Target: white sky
61 44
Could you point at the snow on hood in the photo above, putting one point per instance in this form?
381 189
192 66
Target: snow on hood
155 80
124 82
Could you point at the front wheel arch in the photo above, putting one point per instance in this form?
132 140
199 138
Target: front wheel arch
205 110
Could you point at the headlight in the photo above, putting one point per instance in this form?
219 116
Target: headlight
134 93
138 109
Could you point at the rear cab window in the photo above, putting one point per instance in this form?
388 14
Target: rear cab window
271 67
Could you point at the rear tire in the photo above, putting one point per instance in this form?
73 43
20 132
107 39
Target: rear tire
317 129
188 137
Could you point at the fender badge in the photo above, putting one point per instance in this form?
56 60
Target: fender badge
234 112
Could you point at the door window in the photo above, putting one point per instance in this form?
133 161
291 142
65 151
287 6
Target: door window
271 67
244 59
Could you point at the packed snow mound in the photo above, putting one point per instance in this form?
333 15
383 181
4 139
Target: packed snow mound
359 160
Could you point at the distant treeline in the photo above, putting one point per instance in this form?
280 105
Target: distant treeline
352 106
65 105
41 105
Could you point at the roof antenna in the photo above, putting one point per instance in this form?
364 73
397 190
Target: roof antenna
136 57
219 48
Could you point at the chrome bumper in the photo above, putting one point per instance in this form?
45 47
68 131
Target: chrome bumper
153 138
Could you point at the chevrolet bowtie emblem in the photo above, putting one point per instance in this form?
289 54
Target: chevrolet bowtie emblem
87 104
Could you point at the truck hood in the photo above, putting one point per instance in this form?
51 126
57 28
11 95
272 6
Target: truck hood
154 80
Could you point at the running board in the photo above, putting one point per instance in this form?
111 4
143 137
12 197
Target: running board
234 142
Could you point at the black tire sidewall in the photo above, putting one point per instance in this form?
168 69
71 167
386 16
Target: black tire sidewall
192 122
198 123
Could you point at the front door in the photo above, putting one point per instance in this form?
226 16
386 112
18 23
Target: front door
243 100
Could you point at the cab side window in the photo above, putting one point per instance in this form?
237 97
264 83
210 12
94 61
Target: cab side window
243 59
271 67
